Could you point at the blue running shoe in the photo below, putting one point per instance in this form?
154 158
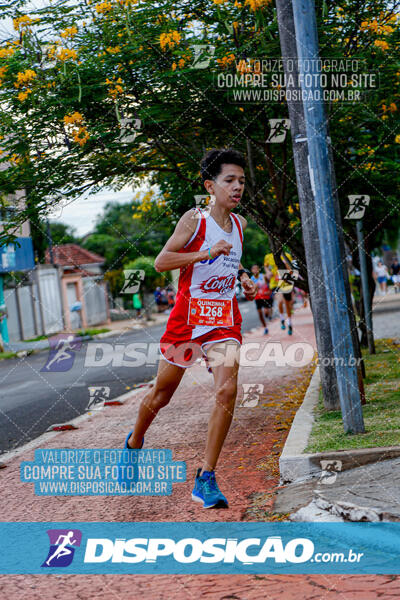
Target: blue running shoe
290 330
206 490
283 326
126 447
266 331
123 471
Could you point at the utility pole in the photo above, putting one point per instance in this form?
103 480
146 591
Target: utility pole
365 288
50 241
322 188
317 283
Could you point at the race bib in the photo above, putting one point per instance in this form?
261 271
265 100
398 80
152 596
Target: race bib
210 313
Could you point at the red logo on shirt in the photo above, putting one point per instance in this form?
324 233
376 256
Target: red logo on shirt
218 284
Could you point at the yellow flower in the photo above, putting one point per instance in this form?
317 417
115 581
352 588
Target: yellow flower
6 52
69 32
397 139
103 7
257 4
243 67
381 44
81 136
73 118
23 95
23 22
66 54
169 39
226 60
392 107
115 87
24 77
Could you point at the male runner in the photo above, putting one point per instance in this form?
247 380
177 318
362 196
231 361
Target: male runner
283 291
207 247
395 268
263 298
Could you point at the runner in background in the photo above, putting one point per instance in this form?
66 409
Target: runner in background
381 274
263 298
171 297
282 292
137 305
395 269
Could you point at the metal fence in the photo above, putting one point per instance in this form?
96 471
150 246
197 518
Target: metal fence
37 309
94 294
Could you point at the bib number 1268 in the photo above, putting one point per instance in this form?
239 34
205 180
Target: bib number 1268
210 312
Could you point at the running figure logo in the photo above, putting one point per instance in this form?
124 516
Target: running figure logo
357 206
98 396
251 394
133 279
329 471
286 280
61 551
62 352
204 202
279 128
129 129
202 55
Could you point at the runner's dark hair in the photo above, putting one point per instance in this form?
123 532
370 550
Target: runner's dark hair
210 166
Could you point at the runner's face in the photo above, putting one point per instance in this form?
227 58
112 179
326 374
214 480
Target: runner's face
255 270
228 187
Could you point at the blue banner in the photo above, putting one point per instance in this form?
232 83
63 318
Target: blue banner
103 472
14 258
200 548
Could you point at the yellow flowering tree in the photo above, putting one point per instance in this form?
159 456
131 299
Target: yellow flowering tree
112 93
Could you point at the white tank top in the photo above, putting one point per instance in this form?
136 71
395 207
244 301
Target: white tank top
213 278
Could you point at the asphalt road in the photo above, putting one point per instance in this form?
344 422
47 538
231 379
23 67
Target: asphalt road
33 397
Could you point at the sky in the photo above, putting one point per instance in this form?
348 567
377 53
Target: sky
83 212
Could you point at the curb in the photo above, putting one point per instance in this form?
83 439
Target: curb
296 466
293 464
48 435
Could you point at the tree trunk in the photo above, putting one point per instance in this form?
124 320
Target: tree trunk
317 285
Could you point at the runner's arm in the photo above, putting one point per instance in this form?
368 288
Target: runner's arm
249 287
170 257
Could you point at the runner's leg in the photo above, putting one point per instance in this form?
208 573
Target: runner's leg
288 304
260 314
289 307
168 378
280 308
225 381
